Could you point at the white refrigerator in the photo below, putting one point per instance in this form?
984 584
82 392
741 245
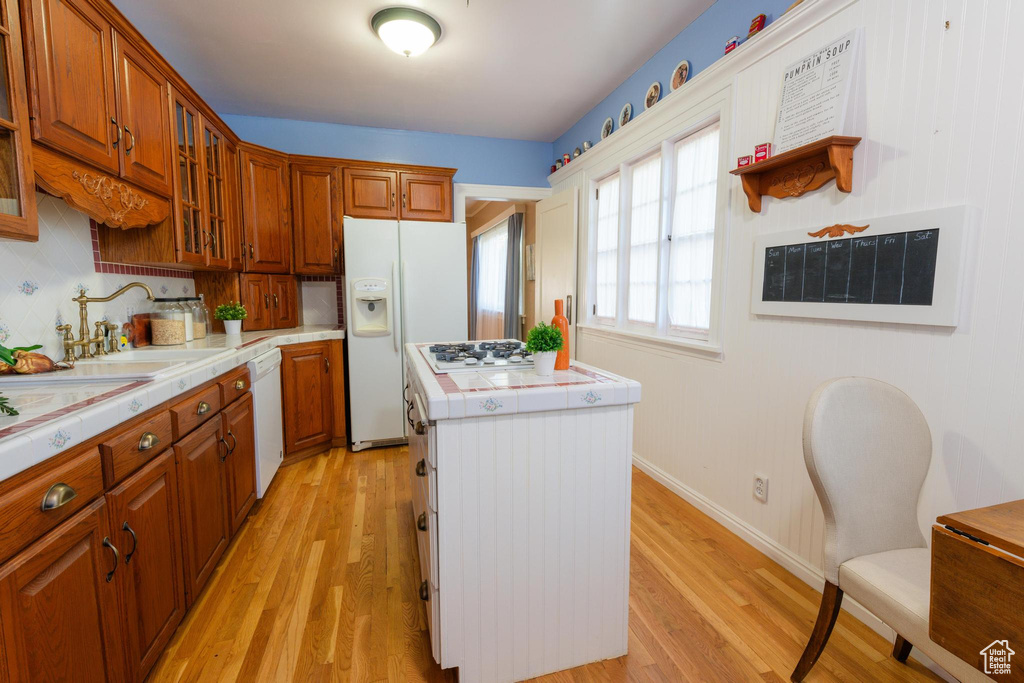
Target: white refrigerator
405 282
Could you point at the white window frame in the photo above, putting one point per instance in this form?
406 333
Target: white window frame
662 334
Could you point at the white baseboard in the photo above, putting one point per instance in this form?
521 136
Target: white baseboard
792 562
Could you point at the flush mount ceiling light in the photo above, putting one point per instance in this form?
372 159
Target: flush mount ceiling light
407 31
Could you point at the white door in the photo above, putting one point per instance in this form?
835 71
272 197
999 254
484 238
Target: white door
555 256
433 281
374 360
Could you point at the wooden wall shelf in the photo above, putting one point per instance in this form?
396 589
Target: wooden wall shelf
800 170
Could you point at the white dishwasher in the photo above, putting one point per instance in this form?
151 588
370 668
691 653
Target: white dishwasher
265 375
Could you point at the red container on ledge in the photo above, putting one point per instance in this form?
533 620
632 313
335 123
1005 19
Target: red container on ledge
762 151
562 323
744 161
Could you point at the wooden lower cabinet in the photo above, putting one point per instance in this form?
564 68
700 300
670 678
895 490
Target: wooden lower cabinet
238 423
204 503
103 580
307 397
145 527
59 611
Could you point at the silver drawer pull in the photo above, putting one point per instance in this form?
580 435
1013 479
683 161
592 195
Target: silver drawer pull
148 440
425 591
58 495
203 408
421 521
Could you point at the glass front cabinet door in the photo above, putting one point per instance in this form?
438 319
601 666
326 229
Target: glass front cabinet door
17 199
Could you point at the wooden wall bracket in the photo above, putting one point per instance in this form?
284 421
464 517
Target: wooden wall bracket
107 199
800 170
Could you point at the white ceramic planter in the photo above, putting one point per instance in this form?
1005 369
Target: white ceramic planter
544 363
233 327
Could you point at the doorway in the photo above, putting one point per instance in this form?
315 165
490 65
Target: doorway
500 239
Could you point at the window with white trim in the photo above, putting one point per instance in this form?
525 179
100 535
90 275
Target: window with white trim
644 236
654 240
606 253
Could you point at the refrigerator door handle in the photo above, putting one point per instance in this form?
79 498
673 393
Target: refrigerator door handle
402 289
394 313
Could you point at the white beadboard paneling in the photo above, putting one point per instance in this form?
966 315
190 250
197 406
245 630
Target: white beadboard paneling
533 528
939 113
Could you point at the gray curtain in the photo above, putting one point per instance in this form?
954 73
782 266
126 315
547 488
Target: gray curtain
512 268
474 284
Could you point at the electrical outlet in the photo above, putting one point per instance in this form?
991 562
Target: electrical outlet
761 487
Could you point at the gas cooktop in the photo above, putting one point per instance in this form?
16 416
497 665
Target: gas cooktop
499 354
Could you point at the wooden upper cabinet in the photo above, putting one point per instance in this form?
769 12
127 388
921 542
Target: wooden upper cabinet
425 197
145 149
59 614
217 213
255 293
190 234
316 218
146 528
18 219
307 396
284 301
371 193
233 207
266 216
71 69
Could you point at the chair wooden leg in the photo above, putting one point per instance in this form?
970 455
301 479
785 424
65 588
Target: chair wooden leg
831 600
901 648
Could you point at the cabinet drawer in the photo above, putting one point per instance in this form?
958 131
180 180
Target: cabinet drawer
22 517
193 411
132 448
234 385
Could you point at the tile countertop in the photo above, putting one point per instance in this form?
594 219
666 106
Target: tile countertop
57 416
496 392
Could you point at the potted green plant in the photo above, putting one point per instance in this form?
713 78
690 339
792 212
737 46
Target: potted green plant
232 313
544 342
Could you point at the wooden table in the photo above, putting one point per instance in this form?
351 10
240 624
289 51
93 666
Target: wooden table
977 588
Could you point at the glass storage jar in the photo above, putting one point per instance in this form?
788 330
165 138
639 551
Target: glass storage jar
200 318
167 323
186 315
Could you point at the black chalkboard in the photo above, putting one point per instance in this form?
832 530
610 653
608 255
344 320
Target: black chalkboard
897 268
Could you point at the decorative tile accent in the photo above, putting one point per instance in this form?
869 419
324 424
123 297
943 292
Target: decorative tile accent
28 287
134 406
490 405
5 333
590 398
60 439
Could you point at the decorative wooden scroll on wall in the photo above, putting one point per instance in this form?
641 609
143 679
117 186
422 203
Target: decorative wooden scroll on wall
103 197
896 269
800 170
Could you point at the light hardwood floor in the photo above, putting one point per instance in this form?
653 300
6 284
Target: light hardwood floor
321 585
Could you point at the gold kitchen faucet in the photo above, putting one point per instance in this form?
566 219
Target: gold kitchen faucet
104 330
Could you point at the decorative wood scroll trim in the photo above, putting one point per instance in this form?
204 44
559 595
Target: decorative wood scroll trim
839 229
800 170
104 198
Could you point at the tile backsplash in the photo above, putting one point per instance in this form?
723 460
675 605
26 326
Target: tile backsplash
39 279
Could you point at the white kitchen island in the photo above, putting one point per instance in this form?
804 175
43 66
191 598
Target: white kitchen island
521 492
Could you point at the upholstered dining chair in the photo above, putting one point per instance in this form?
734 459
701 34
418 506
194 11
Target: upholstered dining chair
867 448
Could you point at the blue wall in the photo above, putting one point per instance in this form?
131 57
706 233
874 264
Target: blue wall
702 42
489 161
